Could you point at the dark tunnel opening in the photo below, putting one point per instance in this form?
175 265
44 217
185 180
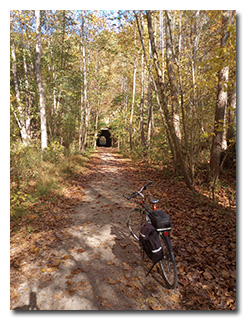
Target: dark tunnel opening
104 139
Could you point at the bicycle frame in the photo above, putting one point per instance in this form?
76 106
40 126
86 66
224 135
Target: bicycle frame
167 265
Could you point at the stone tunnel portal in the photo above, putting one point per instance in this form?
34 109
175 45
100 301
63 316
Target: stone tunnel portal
104 139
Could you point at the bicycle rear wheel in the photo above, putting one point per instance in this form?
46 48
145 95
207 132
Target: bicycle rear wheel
135 219
168 267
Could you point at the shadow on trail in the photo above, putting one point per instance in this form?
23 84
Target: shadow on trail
32 303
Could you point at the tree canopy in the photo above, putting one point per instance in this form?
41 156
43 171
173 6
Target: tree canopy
152 77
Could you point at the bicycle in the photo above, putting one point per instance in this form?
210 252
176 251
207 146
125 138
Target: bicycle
135 219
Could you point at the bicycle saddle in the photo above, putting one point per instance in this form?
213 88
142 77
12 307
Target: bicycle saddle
152 200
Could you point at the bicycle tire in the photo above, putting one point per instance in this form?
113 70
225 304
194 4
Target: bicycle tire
135 219
168 267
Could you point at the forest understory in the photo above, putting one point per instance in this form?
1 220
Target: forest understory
77 253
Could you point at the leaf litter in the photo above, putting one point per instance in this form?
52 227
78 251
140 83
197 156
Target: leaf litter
205 250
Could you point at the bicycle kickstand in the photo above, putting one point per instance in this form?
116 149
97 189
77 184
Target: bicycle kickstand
150 270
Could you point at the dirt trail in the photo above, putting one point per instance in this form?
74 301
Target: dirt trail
93 264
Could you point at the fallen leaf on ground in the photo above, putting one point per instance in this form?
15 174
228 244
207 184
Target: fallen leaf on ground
207 275
52 269
112 281
80 250
175 297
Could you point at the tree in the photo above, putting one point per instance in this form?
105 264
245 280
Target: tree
40 83
171 68
133 87
161 87
20 117
86 107
231 132
221 102
22 114
88 78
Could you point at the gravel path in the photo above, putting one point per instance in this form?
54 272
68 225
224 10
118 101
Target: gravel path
93 264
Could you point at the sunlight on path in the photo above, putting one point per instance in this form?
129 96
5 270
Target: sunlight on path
94 264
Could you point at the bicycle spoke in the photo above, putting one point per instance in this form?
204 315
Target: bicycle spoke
134 221
168 265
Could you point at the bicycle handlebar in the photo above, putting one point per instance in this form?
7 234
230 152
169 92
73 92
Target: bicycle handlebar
134 194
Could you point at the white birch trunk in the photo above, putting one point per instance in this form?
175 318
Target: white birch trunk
40 83
19 116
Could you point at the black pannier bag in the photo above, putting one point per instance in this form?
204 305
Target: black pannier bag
160 220
150 241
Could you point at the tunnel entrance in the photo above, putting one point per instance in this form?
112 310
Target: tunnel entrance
104 139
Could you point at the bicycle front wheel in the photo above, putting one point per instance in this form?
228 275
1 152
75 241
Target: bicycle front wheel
135 219
168 264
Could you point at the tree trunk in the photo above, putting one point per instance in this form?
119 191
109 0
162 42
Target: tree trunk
142 102
133 87
97 86
194 99
231 132
96 127
154 83
81 126
150 124
85 102
150 113
171 130
28 99
219 123
20 117
172 78
40 83
221 104
55 98
162 44
181 84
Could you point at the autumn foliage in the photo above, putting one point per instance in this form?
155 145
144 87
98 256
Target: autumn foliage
163 85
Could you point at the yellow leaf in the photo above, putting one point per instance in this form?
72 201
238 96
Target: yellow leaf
126 266
52 269
44 270
151 300
175 297
157 307
37 250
